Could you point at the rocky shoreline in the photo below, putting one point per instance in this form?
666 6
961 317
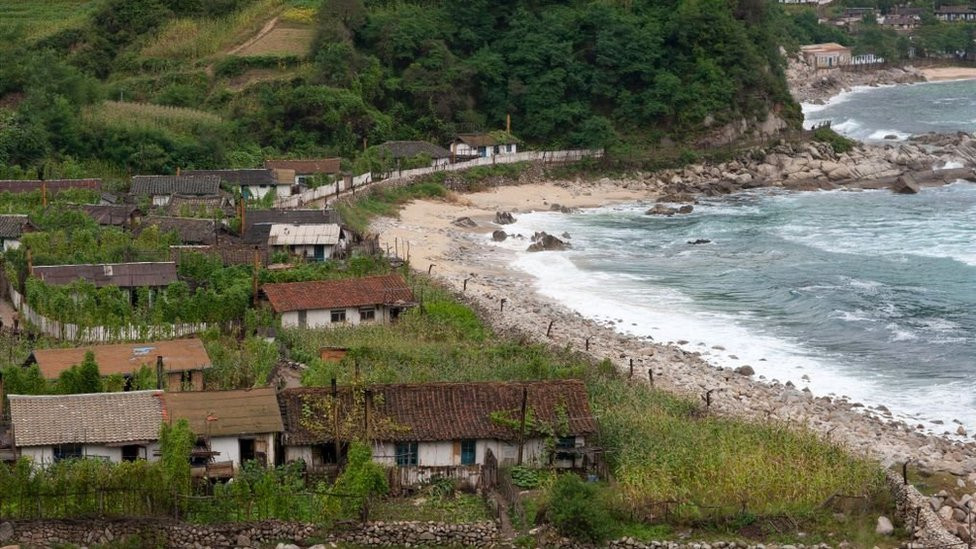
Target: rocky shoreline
809 85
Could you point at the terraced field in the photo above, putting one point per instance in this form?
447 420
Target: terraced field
41 18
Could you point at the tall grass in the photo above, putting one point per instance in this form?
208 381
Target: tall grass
193 38
660 447
384 202
125 115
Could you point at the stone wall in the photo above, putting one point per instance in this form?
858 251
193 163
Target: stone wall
179 535
915 510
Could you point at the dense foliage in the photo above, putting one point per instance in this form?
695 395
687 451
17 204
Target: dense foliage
576 73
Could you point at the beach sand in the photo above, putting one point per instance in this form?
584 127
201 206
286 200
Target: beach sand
936 74
425 230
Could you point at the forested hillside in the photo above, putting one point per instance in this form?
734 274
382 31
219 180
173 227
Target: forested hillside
577 73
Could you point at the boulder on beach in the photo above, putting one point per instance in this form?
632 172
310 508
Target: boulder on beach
504 218
466 222
905 184
499 236
543 242
745 370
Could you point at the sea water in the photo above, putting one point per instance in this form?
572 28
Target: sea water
873 114
867 294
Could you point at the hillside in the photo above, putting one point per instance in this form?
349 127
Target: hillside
308 77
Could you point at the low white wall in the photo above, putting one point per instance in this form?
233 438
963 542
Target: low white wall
322 318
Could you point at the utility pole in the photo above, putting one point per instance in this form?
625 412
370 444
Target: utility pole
521 437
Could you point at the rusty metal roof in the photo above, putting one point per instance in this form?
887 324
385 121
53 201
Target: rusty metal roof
125 358
123 275
225 413
332 294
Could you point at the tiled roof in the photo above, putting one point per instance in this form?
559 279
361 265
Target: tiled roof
476 140
124 275
333 294
181 205
110 214
229 254
409 149
101 418
155 185
179 355
223 413
192 230
12 226
306 166
53 185
284 234
259 176
437 411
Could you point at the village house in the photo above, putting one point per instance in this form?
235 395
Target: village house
254 184
952 14
826 56
900 23
111 426
302 172
323 303
161 188
313 242
234 426
12 228
483 145
113 215
199 206
427 430
400 151
49 186
128 276
192 230
258 223
228 253
181 362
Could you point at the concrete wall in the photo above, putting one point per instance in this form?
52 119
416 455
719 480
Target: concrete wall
230 448
321 318
307 252
10 244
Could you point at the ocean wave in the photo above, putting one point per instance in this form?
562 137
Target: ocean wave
883 135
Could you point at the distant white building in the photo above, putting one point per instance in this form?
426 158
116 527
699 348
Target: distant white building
317 242
483 145
324 303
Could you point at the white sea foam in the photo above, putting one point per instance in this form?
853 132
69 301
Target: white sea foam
884 135
640 308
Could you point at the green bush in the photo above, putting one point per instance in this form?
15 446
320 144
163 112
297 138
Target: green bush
840 144
576 510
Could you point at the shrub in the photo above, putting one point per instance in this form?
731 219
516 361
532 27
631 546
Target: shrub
575 510
840 144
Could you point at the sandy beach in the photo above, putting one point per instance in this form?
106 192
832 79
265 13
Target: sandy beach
937 74
458 253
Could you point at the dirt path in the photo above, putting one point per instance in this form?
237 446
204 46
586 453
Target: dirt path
268 27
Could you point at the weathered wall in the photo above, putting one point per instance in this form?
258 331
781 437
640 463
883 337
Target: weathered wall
169 533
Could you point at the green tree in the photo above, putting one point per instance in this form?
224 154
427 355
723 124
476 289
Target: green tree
360 483
81 378
175 442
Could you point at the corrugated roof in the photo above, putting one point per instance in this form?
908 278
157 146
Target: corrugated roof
333 294
192 230
155 185
102 418
437 411
258 222
12 226
410 149
306 166
124 275
258 176
53 185
825 47
225 413
282 234
125 358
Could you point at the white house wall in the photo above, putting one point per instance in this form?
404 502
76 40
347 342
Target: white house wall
11 244
161 200
44 455
230 448
321 318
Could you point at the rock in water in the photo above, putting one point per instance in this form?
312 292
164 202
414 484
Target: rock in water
466 222
499 236
686 209
884 527
905 185
542 242
504 218
745 370
699 241
661 209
